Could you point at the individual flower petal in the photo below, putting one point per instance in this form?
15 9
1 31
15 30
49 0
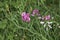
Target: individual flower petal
52 17
28 19
49 22
41 22
44 25
39 17
23 14
49 26
24 18
58 26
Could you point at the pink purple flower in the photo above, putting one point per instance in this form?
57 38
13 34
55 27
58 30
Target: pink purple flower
47 17
25 17
35 12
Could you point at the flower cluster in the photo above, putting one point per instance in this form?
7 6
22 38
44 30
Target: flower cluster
26 16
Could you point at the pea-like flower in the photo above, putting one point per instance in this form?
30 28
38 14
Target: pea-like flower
25 17
35 12
47 17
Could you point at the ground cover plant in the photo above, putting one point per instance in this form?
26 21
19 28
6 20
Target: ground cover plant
29 20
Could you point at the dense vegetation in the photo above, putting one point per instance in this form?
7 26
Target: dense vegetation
12 27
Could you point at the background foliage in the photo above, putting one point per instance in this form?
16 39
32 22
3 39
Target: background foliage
13 28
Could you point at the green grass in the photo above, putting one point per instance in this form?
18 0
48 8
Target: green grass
13 28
